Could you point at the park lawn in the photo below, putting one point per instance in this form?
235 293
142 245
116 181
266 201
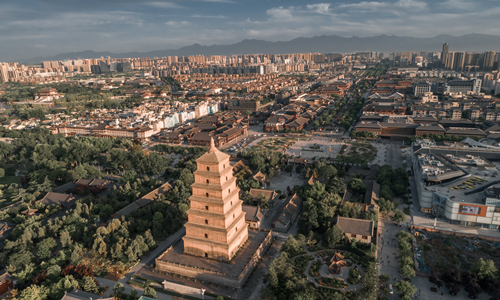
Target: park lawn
10 179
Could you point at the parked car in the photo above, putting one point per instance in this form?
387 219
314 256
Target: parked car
391 290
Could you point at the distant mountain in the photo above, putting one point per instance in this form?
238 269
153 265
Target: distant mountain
322 44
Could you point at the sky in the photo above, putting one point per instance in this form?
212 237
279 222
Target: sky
32 28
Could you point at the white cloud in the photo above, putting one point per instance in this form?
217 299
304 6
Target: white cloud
366 6
281 13
411 4
458 4
80 20
177 24
159 4
218 1
320 8
376 6
209 16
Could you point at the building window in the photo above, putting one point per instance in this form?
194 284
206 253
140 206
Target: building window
224 166
206 195
364 237
208 168
206 255
353 235
226 178
206 222
236 229
206 236
231 202
229 191
208 181
233 216
206 207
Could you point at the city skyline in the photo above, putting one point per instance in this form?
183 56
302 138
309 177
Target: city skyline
33 29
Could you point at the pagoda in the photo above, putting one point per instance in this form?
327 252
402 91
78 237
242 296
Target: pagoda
216 225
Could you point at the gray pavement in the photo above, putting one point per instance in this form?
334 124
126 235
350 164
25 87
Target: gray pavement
325 145
388 153
388 249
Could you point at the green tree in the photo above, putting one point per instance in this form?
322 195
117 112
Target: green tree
294 246
398 217
187 177
65 239
263 201
383 278
328 171
150 292
385 205
45 248
333 235
128 176
407 271
53 272
76 253
484 268
133 293
357 185
34 292
372 215
89 285
2 172
406 289
118 289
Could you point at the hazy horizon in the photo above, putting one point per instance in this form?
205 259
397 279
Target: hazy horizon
32 28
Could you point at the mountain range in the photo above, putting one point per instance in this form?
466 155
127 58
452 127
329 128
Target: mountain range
321 44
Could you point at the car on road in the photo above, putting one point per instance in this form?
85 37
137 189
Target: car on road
391 290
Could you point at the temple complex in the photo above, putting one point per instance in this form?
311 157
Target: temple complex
218 247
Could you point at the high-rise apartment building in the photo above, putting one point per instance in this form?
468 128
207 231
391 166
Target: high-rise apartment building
450 61
444 53
488 60
4 73
459 62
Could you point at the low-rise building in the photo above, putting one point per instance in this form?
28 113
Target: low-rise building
361 230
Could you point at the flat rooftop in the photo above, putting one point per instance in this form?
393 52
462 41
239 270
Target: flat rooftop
456 191
436 168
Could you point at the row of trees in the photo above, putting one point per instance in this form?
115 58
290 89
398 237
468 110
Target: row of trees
363 134
406 264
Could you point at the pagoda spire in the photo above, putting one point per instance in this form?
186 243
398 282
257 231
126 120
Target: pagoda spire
212 145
